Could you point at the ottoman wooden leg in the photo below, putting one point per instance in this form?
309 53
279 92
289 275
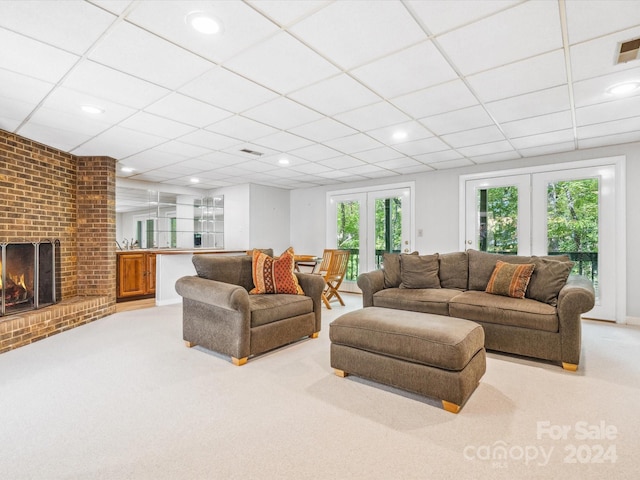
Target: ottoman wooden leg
341 373
450 407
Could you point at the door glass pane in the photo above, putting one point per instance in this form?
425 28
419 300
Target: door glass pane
388 227
348 233
572 224
497 222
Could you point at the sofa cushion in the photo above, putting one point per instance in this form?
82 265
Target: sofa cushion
271 308
234 269
419 271
549 276
487 308
481 265
391 268
425 300
274 275
454 270
510 279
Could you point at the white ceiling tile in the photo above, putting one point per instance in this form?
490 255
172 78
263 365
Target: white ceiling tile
259 166
458 120
486 149
283 141
118 142
414 68
516 78
180 148
13 112
434 100
18 53
605 112
104 82
210 140
335 95
217 159
62 24
187 110
53 136
490 42
414 169
476 136
242 26
85 125
23 88
365 170
410 131
598 57
420 147
446 165
549 138
610 128
242 128
594 90
228 90
260 151
342 162
353 143
586 20
155 125
373 116
379 155
311 168
382 28
286 12
437 157
397 163
439 16
530 105
151 160
548 149
316 152
70 101
540 124
496 157
113 6
324 129
142 54
282 113
281 63
609 140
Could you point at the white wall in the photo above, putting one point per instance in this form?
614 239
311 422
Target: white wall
437 207
269 218
237 215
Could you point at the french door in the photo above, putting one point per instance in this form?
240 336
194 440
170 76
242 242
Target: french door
369 223
562 212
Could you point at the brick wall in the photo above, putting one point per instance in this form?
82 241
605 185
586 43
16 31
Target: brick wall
47 193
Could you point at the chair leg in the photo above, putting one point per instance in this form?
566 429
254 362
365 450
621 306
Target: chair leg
326 302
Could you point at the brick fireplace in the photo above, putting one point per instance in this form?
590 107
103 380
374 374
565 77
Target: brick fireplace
46 193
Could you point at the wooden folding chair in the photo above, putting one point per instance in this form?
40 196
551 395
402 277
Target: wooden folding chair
334 275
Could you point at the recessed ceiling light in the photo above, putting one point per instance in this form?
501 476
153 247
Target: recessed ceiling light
194 180
283 161
400 135
623 88
126 169
203 23
92 109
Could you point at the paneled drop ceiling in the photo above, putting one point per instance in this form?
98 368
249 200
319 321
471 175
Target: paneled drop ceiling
344 90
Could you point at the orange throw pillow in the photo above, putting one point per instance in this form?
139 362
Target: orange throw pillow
510 279
274 275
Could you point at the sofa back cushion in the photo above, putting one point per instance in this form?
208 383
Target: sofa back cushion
234 269
391 269
482 264
454 270
419 271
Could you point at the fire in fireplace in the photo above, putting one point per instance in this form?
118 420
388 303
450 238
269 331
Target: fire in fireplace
28 275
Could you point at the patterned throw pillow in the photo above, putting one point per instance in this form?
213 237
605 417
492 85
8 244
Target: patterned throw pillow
510 279
274 275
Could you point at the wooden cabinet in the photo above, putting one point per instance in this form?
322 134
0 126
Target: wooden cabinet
136 275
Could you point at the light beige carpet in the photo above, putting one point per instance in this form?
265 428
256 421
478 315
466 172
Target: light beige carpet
123 398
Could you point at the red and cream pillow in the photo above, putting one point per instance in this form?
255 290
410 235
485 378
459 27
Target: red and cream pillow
509 279
274 275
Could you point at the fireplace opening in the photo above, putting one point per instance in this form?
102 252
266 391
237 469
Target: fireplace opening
28 275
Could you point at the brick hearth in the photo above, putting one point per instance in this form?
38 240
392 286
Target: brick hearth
46 193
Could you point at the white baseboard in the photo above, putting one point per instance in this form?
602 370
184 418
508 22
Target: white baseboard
633 321
169 301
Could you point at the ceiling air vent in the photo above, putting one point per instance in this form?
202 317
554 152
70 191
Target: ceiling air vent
629 51
251 152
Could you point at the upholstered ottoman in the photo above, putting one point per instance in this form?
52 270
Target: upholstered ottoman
433 355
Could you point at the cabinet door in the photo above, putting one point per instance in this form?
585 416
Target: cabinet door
132 280
151 273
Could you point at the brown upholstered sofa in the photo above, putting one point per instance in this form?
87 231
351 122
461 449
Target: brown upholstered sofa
219 313
544 325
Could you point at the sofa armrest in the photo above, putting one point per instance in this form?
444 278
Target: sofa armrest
370 283
313 285
214 293
576 297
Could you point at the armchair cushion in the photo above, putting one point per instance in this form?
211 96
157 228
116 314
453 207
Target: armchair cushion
271 308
